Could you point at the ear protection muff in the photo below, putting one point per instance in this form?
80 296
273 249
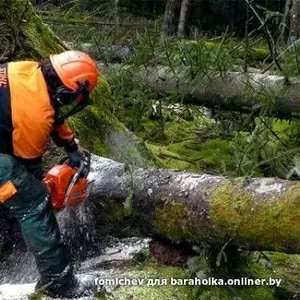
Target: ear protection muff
65 96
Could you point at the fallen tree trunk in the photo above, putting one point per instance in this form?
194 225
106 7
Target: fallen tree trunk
234 91
261 213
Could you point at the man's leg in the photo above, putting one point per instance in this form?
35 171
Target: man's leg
27 199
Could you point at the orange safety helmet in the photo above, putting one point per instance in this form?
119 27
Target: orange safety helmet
73 67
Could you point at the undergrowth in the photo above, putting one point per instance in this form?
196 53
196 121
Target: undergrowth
209 140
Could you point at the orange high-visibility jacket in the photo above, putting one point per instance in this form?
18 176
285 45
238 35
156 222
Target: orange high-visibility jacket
27 118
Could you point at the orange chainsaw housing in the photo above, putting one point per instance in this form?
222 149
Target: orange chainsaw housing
57 181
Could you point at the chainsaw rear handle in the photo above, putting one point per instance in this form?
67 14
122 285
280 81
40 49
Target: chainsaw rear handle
81 169
84 167
63 160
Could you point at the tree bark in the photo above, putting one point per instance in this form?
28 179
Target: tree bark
295 21
285 21
170 19
258 213
183 18
234 91
253 214
23 34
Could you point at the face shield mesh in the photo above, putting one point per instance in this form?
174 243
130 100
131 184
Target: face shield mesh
70 102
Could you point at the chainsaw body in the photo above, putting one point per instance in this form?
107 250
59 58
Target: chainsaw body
66 186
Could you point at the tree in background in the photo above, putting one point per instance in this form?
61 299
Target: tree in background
206 16
176 17
183 18
294 33
170 17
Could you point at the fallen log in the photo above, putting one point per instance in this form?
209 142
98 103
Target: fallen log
236 91
258 213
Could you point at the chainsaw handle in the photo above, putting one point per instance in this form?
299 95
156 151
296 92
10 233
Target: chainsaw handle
81 168
63 160
84 166
86 162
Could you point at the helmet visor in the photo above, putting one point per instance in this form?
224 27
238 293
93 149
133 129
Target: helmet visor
70 102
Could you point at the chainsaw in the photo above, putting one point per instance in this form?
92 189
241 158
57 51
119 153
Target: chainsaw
67 185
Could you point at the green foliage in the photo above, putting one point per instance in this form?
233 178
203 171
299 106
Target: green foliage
200 57
131 99
290 59
268 151
203 266
234 144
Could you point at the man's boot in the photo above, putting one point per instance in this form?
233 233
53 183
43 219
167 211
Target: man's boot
68 287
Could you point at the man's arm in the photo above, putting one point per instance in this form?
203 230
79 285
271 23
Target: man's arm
63 136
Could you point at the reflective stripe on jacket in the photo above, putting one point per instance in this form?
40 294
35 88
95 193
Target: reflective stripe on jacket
5 112
25 107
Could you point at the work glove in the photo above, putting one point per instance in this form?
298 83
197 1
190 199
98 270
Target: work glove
75 157
78 157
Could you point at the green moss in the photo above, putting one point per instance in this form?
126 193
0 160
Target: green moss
213 154
172 221
258 53
229 293
171 160
91 125
203 266
176 222
227 206
184 149
190 154
167 292
34 38
285 267
38 295
149 270
44 39
276 265
216 155
82 124
270 223
176 131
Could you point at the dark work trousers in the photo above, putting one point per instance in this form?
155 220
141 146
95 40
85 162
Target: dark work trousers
26 197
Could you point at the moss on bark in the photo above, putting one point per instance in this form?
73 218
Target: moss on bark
273 221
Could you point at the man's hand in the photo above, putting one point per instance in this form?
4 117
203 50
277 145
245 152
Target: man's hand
78 157
75 157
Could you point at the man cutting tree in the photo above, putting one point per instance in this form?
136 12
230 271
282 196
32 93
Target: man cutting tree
32 95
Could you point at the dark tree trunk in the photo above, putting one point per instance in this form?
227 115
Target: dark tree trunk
285 24
170 17
295 21
183 18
